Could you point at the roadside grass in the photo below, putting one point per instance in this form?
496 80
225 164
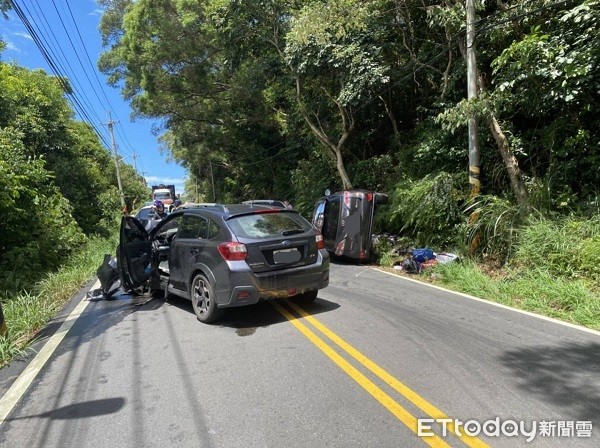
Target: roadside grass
28 312
535 290
553 270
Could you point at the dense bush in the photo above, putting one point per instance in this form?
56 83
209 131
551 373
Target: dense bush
310 180
56 178
565 247
37 227
429 210
492 227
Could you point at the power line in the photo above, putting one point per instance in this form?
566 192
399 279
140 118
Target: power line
54 66
108 104
77 87
88 56
53 53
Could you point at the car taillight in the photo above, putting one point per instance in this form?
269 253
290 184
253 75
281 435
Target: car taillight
232 251
320 241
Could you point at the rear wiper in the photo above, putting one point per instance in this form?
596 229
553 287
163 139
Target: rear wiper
291 232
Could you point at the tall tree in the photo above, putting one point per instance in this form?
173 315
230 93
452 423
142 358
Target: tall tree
34 104
336 64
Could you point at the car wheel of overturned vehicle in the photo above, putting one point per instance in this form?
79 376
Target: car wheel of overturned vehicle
203 300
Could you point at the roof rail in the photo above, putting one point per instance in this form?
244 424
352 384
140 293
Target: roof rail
210 205
272 202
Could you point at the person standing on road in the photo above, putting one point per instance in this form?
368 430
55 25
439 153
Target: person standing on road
159 210
287 204
176 203
159 214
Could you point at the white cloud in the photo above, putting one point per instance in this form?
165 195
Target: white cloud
10 46
24 35
155 180
96 12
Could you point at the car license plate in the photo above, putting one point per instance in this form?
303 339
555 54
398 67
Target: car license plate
286 256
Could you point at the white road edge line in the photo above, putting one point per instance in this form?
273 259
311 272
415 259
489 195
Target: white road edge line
499 305
22 383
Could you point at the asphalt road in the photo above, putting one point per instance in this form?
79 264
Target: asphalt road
357 368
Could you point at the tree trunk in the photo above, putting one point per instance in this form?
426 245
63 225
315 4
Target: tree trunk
512 165
323 137
391 116
319 132
339 163
510 161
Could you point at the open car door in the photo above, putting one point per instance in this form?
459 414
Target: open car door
134 254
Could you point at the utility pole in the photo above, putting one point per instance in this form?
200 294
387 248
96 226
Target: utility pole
474 170
116 155
134 156
212 179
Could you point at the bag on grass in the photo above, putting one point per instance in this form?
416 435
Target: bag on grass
411 266
423 255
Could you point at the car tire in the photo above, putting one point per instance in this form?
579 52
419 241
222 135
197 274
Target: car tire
140 290
381 198
306 297
203 300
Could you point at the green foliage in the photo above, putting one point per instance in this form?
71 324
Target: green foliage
34 108
543 80
310 180
553 68
566 247
246 84
431 150
38 230
56 179
376 173
329 41
386 258
456 117
493 226
5 5
27 312
428 210
535 290
250 90
33 104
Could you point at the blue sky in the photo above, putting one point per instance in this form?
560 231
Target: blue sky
69 32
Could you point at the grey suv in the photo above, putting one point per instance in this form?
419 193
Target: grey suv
221 256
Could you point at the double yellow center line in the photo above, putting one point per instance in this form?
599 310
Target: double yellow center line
388 402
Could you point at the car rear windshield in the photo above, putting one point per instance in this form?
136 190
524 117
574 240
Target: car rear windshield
268 225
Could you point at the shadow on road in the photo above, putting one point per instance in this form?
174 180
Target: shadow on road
86 409
246 319
566 376
103 313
